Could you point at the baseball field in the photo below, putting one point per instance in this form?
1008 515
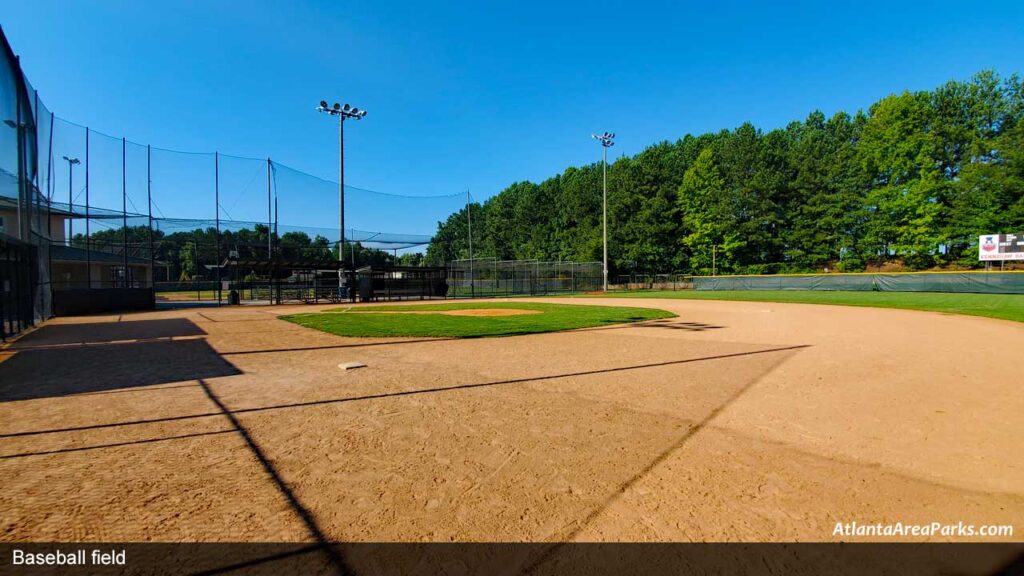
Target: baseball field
693 421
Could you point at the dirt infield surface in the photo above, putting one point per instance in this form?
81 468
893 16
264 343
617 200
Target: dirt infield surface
735 421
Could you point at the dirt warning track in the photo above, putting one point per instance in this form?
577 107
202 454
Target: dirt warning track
734 421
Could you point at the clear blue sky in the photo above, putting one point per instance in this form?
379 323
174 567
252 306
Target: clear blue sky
480 94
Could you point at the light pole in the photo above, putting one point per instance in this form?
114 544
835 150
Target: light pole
71 174
343 113
607 141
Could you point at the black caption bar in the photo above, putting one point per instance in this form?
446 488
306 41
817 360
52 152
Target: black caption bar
541 559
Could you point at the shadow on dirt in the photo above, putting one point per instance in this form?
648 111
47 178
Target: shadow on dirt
64 359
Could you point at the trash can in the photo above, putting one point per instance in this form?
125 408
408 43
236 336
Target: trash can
233 298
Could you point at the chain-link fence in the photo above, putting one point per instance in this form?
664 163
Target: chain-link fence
975 282
490 277
625 282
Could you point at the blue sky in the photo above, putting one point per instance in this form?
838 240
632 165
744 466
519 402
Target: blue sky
476 95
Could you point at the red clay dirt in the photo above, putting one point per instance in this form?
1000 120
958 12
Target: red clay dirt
735 421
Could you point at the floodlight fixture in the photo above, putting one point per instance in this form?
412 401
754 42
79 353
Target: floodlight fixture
344 112
606 139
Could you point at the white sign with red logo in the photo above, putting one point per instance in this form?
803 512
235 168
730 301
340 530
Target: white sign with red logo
1001 247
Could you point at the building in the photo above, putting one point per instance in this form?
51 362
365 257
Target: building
78 266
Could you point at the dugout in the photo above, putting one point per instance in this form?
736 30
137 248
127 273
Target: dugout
279 280
401 282
332 281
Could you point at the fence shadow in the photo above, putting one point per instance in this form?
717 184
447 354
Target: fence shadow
102 332
36 370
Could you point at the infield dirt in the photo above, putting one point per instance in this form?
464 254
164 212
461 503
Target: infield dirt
734 421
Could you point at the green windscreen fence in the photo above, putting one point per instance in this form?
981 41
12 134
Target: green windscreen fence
981 282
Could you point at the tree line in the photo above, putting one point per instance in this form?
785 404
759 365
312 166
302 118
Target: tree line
185 255
911 182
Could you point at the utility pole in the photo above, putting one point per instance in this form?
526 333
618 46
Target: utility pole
607 141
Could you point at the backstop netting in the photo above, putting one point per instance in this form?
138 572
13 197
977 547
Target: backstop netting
122 215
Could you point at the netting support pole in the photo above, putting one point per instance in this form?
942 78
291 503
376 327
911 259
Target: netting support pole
49 213
71 202
49 181
124 207
216 197
149 202
273 268
270 246
195 253
88 239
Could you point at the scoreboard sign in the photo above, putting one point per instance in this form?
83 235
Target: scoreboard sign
1001 247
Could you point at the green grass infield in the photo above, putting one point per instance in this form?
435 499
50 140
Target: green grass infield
430 320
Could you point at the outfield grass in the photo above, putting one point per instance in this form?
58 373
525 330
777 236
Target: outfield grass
1002 306
388 321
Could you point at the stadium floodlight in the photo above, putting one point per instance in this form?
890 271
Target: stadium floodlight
71 173
607 141
343 113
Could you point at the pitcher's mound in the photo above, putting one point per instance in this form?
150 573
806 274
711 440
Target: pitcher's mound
490 312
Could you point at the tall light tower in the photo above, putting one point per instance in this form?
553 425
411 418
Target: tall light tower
71 173
343 113
607 141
